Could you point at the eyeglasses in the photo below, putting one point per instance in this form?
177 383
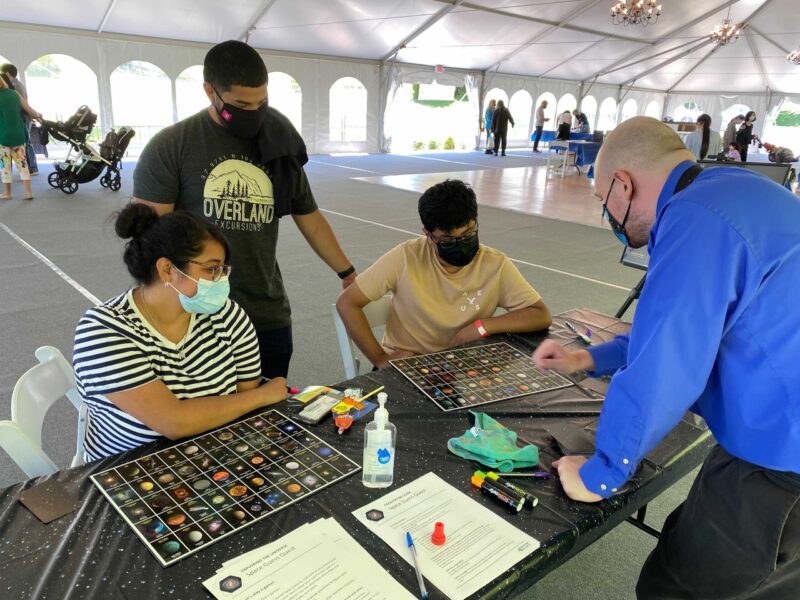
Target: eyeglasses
452 242
217 272
617 227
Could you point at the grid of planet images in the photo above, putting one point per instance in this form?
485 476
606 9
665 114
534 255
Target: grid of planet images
467 377
184 498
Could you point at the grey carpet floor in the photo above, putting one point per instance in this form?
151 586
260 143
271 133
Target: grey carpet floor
570 265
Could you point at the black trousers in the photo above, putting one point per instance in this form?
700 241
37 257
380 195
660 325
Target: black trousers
737 535
276 350
500 139
539 129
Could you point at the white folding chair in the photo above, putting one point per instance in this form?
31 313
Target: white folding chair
33 395
377 314
562 158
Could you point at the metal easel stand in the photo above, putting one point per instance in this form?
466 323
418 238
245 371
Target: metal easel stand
632 295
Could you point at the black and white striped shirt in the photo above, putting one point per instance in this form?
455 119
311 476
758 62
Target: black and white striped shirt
116 349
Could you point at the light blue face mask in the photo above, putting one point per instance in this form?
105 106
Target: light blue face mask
210 297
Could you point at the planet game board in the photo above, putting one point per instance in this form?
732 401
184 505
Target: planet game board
463 378
184 498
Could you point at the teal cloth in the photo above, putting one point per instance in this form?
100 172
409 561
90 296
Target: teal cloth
491 444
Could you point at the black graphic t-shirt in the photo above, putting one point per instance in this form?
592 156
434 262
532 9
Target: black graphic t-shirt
201 168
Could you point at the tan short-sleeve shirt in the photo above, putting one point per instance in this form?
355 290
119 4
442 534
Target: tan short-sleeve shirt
430 305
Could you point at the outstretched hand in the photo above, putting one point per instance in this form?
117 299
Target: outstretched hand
569 473
551 355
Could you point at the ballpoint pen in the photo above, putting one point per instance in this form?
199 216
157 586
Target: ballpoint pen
535 474
423 593
586 338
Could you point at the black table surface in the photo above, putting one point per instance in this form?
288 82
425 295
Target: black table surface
92 553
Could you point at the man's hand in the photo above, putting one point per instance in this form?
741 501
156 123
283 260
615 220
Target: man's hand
383 361
569 473
552 355
468 333
348 280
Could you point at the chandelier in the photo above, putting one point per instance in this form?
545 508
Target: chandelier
728 32
635 12
794 57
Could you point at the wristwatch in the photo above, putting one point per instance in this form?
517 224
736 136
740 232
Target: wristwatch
481 328
347 272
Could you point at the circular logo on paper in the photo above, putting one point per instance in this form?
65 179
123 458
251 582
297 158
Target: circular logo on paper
374 515
238 196
384 456
230 584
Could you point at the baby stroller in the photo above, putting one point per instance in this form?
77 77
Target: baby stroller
83 163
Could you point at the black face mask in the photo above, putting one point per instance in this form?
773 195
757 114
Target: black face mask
459 252
240 122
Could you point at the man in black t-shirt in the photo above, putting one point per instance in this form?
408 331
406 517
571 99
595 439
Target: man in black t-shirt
238 163
582 121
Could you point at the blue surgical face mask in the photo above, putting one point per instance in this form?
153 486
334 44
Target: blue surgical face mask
210 297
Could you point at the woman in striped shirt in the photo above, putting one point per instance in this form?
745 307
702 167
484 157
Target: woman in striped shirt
173 356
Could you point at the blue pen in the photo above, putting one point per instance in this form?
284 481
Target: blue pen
423 593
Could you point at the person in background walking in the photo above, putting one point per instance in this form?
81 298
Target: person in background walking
500 121
487 121
11 71
539 123
12 137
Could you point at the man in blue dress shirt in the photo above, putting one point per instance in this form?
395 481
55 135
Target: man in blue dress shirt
717 332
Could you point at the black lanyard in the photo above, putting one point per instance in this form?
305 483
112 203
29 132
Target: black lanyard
689 175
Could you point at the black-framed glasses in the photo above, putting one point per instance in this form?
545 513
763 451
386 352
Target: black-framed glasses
617 227
452 242
217 272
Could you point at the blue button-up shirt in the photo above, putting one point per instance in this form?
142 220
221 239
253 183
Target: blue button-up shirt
716 330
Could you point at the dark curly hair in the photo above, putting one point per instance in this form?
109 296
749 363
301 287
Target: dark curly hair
448 205
178 236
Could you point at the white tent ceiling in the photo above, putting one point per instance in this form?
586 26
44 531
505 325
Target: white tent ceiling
568 39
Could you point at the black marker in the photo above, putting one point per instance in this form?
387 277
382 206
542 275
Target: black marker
506 497
532 500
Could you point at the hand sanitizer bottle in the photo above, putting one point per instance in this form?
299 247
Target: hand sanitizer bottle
379 443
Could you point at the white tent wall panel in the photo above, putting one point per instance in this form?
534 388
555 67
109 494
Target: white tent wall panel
573 40
23 44
327 73
102 56
714 104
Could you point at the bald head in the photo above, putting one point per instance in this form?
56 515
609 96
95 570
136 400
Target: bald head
641 144
634 162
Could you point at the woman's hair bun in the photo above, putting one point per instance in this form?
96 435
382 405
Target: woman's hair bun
133 220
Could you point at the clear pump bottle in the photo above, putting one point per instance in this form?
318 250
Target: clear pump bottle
380 437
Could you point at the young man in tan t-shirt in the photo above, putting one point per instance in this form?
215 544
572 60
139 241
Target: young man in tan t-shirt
445 286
